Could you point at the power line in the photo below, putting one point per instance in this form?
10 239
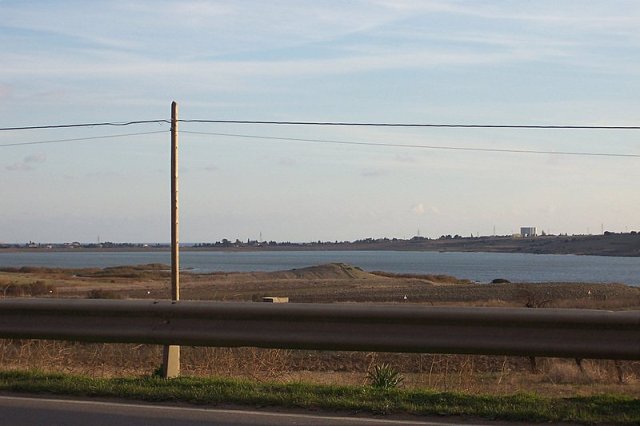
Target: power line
67 126
464 126
416 146
81 139
329 123
321 123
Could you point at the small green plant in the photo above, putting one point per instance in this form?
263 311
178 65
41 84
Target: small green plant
158 372
384 377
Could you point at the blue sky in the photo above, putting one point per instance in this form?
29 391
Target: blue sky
496 62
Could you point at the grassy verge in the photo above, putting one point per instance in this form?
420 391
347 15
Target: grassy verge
609 409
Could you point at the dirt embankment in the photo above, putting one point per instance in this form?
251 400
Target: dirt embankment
610 244
607 244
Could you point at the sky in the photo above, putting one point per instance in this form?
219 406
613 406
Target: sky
402 61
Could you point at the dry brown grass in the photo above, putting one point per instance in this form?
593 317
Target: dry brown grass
466 373
436 279
336 283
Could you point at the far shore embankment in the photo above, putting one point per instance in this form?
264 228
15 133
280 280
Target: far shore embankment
609 244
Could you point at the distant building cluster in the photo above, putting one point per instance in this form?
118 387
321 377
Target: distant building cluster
365 243
78 245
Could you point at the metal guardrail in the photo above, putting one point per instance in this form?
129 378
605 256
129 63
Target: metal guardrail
497 331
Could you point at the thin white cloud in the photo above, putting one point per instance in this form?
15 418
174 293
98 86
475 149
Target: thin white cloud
35 158
590 16
131 66
209 30
418 209
27 163
103 175
5 91
374 173
405 158
221 27
22 167
286 162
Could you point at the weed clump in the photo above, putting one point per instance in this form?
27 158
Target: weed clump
384 376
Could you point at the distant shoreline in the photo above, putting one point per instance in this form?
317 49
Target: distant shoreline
623 245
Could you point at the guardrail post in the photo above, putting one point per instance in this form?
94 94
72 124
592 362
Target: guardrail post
171 361
171 354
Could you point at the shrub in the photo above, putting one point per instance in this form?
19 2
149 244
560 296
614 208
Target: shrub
567 372
384 377
38 288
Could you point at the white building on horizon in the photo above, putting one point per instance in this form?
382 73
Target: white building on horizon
528 231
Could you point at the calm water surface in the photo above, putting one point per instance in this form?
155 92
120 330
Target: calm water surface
482 267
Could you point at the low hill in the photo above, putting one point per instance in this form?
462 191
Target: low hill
329 271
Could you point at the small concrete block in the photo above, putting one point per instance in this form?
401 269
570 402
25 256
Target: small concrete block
275 299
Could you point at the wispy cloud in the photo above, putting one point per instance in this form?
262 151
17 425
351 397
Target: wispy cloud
5 91
221 27
421 209
113 65
65 50
418 209
35 158
27 164
211 32
102 175
15 167
286 162
405 158
374 173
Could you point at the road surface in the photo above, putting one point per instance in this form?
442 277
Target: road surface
32 411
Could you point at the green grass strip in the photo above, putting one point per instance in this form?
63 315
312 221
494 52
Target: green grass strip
609 409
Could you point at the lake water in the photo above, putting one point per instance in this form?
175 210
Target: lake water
481 267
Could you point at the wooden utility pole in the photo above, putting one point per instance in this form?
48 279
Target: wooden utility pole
171 356
175 244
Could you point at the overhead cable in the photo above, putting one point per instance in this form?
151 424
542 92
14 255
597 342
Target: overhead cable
464 126
329 123
415 146
81 139
102 124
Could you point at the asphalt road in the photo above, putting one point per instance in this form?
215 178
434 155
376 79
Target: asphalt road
32 411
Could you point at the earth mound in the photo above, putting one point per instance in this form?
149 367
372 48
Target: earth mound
329 271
